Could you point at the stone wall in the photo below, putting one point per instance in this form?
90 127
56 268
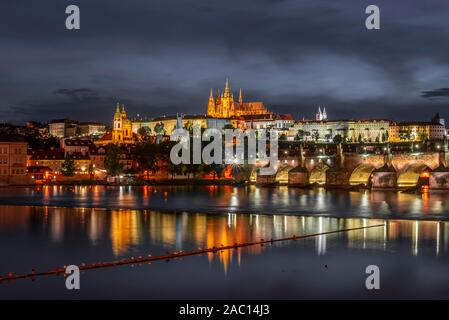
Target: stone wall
439 180
384 180
298 178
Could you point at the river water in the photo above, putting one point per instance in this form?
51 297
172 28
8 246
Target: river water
48 227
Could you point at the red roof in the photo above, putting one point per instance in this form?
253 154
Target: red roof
285 116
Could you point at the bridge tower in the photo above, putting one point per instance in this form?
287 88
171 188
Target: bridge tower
299 176
338 176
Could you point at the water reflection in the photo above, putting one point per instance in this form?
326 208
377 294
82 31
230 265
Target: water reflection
128 232
219 199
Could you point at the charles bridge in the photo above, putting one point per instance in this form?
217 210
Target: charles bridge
350 169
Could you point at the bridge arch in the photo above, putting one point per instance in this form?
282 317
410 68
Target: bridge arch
282 174
412 174
253 175
361 174
318 173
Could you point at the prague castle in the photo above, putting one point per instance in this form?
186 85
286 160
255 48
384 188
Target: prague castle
221 111
224 105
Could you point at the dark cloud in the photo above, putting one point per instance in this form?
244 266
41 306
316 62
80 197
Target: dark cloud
441 92
163 56
80 95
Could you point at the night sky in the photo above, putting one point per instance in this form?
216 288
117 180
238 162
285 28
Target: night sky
163 56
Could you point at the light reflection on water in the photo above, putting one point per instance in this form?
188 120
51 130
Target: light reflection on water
67 226
219 199
412 254
128 232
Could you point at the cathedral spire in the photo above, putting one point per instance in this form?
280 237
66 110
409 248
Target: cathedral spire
227 90
211 105
117 110
319 114
241 96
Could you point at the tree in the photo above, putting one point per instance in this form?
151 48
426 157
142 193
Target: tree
112 159
242 172
214 168
144 133
159 129
337 139
91 170
174 169
359 139
42 143
315 135
146 155
283 137
405 134
77 131
192 169
300 135
68 167
189 126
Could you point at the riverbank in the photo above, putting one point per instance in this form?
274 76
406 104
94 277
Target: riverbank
228 182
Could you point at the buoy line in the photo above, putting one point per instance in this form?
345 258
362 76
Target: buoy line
98 265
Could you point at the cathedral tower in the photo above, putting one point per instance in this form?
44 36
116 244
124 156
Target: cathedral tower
227 102
211 105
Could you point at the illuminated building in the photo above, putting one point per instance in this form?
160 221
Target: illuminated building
373 130
81 146
13 161
222 111
90 128
267 121
54 159
224 105
122 127
97 156
418 130
62 128
167 124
